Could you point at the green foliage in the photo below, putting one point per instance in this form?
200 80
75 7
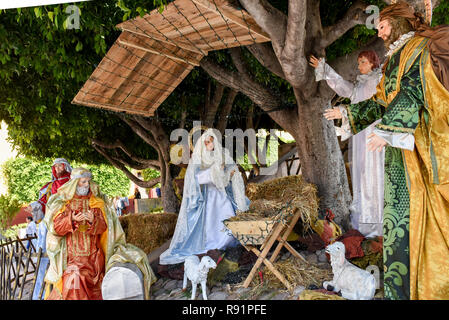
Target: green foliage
149 174
8 209
43 65
333 11
25 177
111 180
441 13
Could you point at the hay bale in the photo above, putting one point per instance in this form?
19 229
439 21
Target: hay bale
265 208
148 231
269 200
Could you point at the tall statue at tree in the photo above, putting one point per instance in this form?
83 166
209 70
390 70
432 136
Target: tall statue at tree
412 101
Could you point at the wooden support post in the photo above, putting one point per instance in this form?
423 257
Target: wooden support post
283 240
17 278
270 240
25 273
8 276
36 272
41 292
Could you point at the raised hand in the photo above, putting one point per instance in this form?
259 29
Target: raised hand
334 113
313 61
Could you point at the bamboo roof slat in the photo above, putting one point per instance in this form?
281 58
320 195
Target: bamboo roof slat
154 53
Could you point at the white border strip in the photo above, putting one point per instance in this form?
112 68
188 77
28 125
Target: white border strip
8 4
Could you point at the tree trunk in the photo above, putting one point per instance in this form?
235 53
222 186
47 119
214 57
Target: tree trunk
170 202
321 158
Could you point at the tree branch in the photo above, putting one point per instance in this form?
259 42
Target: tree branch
292 59
140 131
140 166
120 166
257 93
212 107
270 19
354 16
226 110
157 131
264 53
120 145
243 82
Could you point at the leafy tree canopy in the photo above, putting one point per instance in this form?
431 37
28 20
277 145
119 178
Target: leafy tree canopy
24 178
44 64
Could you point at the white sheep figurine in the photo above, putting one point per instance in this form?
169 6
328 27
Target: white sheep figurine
196 272
353 282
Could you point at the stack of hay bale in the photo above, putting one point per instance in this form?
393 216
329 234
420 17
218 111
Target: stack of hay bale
148 231
278 199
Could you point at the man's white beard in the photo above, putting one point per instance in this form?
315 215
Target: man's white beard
82 191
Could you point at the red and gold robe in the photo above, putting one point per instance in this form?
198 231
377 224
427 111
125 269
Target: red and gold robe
85 270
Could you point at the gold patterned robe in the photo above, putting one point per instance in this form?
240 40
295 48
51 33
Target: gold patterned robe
426 168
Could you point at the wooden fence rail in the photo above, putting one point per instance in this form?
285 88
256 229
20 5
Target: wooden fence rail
19 267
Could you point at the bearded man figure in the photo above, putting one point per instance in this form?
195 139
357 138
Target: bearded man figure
412 101
60 174
84 240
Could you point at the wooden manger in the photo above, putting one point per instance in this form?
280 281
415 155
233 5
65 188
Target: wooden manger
252 230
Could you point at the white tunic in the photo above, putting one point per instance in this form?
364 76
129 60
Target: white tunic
218 208
367 168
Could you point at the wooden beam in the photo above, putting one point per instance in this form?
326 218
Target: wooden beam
106 106
135 41
162 39
248 21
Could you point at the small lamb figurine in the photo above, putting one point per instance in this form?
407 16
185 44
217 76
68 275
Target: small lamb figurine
353 282
196 272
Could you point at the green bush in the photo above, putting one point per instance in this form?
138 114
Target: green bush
24 178
8 209
14 230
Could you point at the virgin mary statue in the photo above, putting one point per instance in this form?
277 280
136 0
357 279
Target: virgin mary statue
213 192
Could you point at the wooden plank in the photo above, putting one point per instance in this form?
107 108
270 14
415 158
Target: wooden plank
119 55
157 97
251 227
235 16
181 77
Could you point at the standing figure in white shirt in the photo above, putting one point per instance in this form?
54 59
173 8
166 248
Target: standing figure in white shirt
367 171
31 230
